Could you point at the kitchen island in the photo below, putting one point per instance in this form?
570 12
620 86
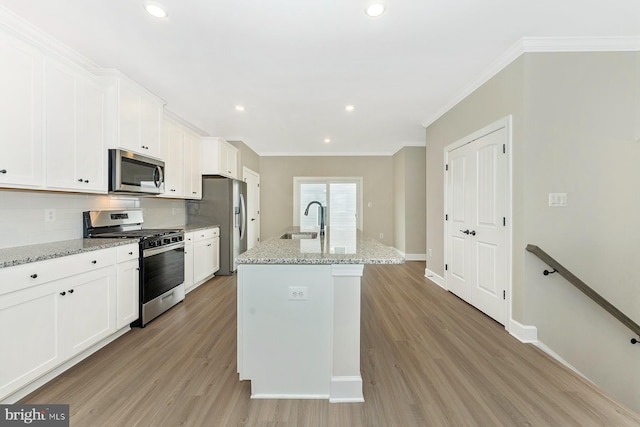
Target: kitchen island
299 314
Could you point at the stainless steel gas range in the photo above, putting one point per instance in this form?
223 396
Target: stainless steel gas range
161 257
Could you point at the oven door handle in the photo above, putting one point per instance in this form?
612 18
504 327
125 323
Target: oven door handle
155 251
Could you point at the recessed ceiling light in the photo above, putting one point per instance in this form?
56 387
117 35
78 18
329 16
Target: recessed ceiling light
349 107
375 9
240 107
155 9
327 140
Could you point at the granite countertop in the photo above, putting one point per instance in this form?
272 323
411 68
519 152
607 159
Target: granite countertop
32 253
336 247
42 251
196 227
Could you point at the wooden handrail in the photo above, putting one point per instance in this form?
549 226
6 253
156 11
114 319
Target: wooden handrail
575 281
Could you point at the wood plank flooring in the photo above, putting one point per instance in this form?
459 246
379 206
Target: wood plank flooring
428 359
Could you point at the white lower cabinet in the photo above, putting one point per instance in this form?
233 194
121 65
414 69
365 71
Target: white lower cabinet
30 335
52 311
128 290
188 261
202 256
87 312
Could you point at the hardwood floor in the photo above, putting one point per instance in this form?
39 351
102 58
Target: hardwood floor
428 359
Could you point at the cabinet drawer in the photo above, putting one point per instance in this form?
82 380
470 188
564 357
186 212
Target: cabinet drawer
37 273
216 232
205 234
128 252
189 237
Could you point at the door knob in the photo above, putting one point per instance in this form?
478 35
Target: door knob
465 231
473 232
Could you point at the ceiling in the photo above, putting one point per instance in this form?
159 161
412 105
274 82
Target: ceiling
295 64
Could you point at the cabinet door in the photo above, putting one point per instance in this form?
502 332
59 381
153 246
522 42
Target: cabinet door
192 167
128 293
216 254
74 130
203 260
129 118
91 162
173 147
188 262
60 129
232 161
28 330
150 125
88 309
21 105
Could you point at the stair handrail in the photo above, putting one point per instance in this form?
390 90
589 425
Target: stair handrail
585 289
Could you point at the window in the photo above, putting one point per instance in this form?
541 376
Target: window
341 196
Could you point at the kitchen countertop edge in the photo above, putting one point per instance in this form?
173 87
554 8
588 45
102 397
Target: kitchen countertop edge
18 255
276 251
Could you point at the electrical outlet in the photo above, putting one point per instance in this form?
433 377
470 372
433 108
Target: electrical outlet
49 215
429 253
382 235
298 293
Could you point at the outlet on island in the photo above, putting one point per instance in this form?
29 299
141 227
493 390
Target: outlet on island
298 293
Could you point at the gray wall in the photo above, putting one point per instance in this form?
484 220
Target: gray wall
576 119
410 200
246 157
276 183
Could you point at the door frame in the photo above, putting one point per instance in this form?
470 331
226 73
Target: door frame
358 180
506 123
246 171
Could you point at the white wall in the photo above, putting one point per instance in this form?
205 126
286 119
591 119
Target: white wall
22 214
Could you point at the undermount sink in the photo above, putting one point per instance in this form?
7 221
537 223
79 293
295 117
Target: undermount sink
300 235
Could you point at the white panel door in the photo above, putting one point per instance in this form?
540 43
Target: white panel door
459 259
253 206
476 233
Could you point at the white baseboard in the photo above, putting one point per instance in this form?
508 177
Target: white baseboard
438 280
346 389
289 396
412 257
529 334
556 356
524 333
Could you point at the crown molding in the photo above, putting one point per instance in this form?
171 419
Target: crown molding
539 45
176 118
28 32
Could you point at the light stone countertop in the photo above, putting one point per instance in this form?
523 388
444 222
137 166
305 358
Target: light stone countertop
43 251
32 253
196 227
336 247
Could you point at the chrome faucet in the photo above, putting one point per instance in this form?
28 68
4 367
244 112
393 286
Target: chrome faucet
322 208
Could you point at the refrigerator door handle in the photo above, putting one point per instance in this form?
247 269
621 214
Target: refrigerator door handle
243 216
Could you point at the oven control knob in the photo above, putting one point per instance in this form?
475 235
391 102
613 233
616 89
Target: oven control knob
174 239
166 241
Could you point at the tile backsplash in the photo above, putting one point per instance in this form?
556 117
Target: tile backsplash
30 217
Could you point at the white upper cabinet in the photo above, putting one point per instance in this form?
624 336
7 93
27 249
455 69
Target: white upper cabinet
173 155
21 125
135 115
193 166
219 158
74 129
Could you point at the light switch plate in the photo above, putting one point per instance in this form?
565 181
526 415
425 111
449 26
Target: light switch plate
557 200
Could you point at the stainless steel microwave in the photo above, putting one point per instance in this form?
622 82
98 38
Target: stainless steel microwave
133 173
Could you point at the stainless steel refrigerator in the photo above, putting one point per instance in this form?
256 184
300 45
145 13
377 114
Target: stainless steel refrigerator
223 203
